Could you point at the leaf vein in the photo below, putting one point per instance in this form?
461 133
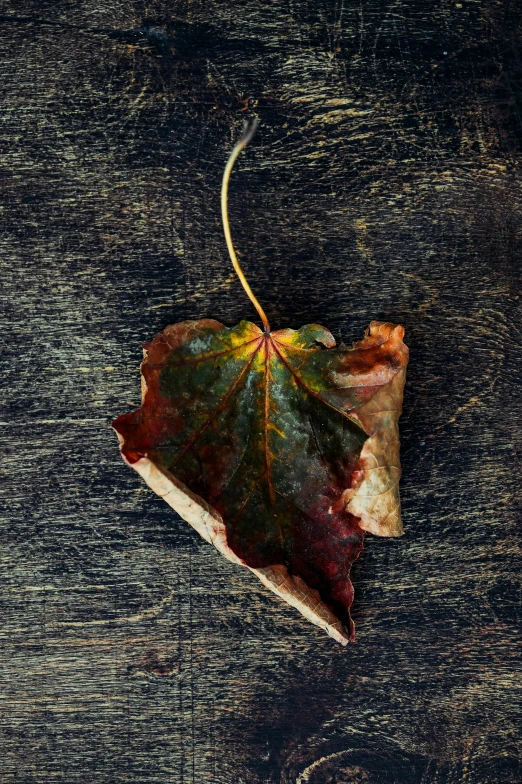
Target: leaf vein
218 410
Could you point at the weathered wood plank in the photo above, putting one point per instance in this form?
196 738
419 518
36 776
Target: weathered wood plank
384 183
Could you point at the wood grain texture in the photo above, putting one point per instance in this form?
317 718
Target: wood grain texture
384 183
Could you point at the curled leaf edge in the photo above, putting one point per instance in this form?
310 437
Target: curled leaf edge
210 526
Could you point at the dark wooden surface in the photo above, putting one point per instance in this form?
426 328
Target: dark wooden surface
384 182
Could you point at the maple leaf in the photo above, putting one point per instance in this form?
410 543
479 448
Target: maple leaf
277 447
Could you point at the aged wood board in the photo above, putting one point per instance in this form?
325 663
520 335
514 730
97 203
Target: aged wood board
384 183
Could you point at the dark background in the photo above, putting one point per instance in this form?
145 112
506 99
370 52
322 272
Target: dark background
384 183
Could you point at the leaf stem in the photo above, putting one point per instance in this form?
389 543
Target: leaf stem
248 131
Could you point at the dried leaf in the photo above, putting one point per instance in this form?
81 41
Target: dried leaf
278 448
